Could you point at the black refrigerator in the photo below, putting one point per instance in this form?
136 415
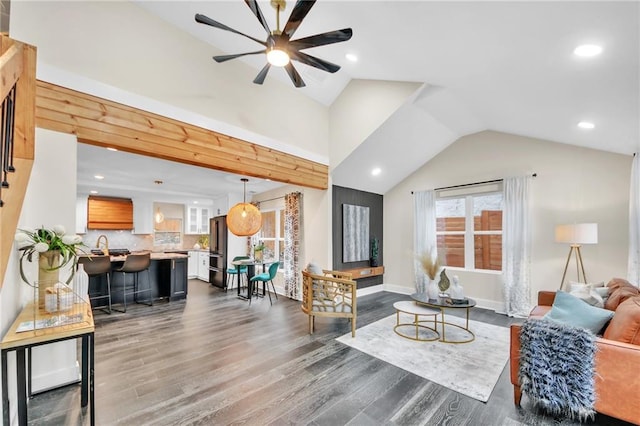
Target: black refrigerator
218 251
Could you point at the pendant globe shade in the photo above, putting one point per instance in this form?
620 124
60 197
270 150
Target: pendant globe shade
244 219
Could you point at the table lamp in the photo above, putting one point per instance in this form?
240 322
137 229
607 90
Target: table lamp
576 234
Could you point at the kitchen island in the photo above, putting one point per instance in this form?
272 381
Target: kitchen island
167 274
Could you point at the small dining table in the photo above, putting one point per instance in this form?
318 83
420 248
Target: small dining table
251 272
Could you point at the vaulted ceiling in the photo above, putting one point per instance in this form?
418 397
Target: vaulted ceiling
504 66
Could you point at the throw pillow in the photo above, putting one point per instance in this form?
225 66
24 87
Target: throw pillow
616 283
570 310
625 324
619 295
314 269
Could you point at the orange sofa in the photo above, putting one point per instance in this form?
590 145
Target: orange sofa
617 364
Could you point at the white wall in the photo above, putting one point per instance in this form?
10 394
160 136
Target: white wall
316 228
50 200
573 185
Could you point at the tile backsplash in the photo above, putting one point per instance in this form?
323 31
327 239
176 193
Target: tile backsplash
136 242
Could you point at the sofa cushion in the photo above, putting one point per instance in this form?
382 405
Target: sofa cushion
625 324
619 295
570 310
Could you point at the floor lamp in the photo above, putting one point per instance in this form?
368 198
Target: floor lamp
576 234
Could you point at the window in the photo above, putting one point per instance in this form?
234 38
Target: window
469 227
272 234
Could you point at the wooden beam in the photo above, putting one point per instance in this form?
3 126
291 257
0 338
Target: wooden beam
101 122
10 69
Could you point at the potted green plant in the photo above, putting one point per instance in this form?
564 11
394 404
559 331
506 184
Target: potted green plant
258 251
373 260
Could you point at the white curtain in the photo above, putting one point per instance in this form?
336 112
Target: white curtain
633 269
516 246
424 225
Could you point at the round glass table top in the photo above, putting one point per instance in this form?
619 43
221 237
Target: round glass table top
443 302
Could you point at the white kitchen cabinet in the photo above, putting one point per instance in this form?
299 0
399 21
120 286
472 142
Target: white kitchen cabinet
142 216
197 219
81 214
203 265
192 264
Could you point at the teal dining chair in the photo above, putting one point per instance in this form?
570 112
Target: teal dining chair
236 271
265 278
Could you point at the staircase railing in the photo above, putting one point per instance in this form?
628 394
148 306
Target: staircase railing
17 136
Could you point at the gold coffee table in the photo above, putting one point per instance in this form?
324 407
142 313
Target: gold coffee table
442 304
412 308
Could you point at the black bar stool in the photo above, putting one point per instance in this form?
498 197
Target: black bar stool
134 264
95 266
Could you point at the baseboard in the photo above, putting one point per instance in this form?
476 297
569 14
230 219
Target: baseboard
369 290
56 378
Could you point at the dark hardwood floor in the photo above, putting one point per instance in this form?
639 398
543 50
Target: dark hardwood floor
213 360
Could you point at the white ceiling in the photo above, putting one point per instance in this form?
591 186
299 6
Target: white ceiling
504 66
130 175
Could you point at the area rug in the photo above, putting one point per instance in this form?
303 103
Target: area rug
471 368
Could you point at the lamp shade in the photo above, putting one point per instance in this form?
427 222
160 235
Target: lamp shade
577 233
244 219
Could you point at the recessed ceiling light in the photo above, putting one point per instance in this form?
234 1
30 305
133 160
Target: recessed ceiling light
351 57
99 177
93 192
587 50
586 125
111 149
376 171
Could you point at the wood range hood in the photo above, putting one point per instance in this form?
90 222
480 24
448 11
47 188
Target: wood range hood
109 213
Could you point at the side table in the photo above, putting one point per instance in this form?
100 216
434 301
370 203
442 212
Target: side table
20 341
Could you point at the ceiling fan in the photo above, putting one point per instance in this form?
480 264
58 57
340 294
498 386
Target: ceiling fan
279 47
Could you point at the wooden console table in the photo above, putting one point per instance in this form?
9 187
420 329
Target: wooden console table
19 341
369 271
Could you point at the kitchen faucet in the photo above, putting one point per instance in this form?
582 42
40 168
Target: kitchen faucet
105 250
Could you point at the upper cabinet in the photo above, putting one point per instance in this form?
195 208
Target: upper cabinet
109 213
142 216
197 219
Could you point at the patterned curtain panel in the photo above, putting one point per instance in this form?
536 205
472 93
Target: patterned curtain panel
292 244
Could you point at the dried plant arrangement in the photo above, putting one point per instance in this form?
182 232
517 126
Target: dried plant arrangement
430 264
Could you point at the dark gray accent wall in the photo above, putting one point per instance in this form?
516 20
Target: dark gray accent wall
342 196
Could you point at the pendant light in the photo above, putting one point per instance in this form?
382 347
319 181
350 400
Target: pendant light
159 217
244 219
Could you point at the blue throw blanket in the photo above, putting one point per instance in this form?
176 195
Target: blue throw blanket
557 367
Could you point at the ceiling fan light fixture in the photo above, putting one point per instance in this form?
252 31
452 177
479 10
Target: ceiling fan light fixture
278 57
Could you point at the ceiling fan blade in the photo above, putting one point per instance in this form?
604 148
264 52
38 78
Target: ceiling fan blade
202 19
262 74
314 62
298 13
223 58
253 5
293 74
323 39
